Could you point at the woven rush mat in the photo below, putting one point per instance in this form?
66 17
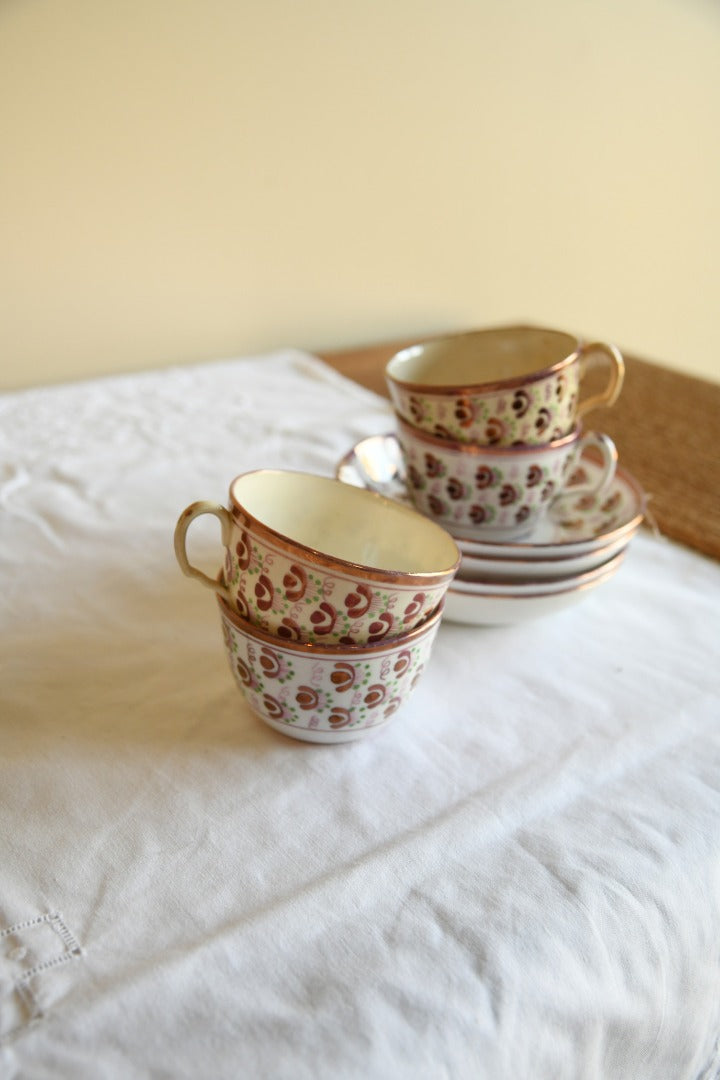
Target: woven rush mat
666 426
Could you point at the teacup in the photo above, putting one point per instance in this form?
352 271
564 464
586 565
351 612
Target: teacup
502 386
325 693
310 559
498 493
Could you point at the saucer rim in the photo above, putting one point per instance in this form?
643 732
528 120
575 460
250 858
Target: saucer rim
495 570
498 611
573 583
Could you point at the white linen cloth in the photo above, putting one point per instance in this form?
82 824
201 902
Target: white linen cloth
518 878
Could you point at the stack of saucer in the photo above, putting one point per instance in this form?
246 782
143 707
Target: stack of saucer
564 556
489 444
330 599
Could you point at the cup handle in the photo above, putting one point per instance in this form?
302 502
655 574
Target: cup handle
610 394
189 514
609 456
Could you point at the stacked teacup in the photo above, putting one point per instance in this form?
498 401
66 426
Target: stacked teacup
330 599
489 424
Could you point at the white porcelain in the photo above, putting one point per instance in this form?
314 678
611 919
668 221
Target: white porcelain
310 559
538 586
494 492
583 526
578 526
477 608
489 568
324 693
500 386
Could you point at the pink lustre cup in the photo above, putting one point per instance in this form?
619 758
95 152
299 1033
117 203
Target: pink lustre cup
310 559
502 386
325 693
497 493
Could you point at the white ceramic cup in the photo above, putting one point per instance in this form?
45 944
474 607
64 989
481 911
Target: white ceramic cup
501 386
310 559
325 693
499 493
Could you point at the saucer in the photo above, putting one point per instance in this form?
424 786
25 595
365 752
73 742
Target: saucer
491 568
535 587
466 602
575 526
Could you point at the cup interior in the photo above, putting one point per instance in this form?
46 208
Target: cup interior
481 357
344 523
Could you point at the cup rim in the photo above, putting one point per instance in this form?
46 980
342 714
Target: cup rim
330 562
479 389
480 449
328 651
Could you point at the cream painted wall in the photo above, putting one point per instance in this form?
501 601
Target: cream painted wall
188 179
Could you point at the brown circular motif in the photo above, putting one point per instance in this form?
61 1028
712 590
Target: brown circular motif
542 420
455 488
323 618
464 412
339 717
343 677
375 695
270 662
415 604
289 629
244 672
274 709
243 550
264 593
534 476
520 403
307 697
416 408
433 466
378 629
402 663
295 582
415 478
494 431
484 477
358 602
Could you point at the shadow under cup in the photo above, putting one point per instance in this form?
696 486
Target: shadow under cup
497 493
